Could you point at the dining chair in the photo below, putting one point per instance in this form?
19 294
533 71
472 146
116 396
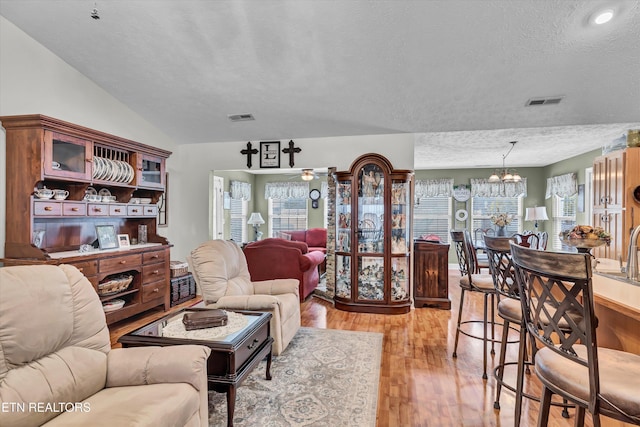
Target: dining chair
531 239
473 282
557 303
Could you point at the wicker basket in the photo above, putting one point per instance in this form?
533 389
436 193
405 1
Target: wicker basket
115 285
178 268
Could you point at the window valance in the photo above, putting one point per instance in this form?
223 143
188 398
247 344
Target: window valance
286 190
484 188
240 190
562 185
434 187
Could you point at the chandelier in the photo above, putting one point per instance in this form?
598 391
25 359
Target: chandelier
504 174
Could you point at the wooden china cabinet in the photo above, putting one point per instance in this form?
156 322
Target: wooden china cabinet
373 238
43 152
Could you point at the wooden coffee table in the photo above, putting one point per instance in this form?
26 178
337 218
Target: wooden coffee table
232 357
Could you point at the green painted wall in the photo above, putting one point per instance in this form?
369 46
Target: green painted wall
259 204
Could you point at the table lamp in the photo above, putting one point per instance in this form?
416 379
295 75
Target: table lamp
538 213
256 220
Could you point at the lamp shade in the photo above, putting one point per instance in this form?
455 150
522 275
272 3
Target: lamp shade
539 213
255 219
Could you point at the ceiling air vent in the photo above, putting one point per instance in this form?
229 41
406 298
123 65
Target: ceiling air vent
552 100
240 117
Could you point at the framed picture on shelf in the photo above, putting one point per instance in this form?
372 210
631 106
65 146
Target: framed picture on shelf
123 240
270 154
106 236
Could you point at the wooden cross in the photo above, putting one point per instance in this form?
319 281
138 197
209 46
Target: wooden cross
291 151
248 151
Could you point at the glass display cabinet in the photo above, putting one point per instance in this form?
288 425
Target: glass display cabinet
373 218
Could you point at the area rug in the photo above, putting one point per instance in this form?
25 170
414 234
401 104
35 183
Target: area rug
324 378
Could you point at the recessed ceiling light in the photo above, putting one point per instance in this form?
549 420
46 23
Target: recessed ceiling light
603 16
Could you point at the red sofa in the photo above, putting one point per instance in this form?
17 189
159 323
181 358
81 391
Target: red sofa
276 258
315 238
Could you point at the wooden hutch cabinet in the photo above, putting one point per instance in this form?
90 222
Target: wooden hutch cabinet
373 239
43 152
431 274
615 177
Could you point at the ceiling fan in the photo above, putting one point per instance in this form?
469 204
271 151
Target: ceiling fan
308 174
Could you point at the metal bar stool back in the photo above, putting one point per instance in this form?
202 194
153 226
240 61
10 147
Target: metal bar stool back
557 302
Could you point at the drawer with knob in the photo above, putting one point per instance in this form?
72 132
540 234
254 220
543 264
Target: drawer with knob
121 263
88 268
74 209
153 272
117 210
153 257
95 209
154 290
47 208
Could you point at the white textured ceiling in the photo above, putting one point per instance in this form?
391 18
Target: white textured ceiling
455 73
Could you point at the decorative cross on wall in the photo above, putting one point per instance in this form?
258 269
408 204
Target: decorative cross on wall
291 151
249 152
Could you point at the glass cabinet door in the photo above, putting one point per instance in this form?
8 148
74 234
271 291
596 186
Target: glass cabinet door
400 222
370 209
67 157
151 172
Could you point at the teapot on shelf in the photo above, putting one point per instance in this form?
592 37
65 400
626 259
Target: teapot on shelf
43 193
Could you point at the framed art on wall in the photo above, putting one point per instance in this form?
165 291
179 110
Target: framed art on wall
270 154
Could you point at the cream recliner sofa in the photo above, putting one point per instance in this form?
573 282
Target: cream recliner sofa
220 270
57 367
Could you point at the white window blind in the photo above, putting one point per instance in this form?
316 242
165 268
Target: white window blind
239 210
432 215
564 218
483 207
287 215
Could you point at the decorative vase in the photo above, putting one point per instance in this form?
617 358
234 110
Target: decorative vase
502 231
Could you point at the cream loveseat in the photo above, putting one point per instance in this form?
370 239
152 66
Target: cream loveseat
220 270
57 367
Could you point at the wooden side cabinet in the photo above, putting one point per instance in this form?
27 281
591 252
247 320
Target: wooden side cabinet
431 275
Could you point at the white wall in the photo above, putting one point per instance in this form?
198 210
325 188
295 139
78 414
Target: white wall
35 81
199 159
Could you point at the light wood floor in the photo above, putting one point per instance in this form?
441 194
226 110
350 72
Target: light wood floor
421 383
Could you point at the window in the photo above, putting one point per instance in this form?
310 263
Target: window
239 219
432 215
564 218
287 215
483 207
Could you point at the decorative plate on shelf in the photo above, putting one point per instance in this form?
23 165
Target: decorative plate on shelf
112 305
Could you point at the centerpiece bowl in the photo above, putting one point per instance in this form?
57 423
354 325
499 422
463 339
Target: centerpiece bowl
583 245
585 237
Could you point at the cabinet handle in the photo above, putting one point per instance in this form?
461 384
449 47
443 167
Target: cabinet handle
156 290
97 209
80 269
134 210
116 210
48 208
155 256
74 209
123 262
253 344
155 272
88 160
